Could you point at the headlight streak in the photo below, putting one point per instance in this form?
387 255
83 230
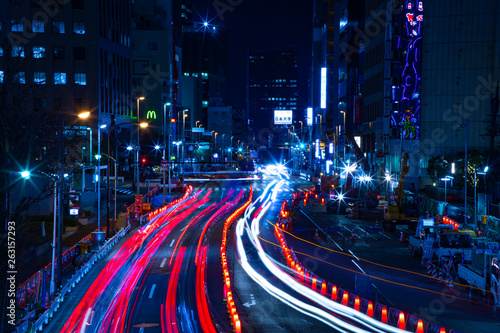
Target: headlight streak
354 315
300 306
116 263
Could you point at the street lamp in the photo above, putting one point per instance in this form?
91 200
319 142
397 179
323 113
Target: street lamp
100 126
343 131
138 145
446 180
475 184
466 125
27 175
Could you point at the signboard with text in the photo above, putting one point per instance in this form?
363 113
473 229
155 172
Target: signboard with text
283 117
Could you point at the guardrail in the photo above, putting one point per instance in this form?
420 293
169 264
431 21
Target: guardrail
49 313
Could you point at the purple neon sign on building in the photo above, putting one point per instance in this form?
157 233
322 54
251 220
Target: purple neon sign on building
407 116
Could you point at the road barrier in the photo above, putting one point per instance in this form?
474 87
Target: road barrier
389 316
226 280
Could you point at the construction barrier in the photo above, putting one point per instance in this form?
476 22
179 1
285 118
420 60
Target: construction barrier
381 312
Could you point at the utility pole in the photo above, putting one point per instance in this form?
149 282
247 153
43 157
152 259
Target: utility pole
60 181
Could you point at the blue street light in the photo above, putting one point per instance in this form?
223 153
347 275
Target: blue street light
25 174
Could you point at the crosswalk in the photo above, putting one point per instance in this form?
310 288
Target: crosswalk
121 190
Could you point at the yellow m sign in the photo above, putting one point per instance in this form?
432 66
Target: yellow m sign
151 114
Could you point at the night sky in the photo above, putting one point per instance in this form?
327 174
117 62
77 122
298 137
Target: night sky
262 25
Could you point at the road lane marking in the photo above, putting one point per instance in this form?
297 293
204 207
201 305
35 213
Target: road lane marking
374 286
327 235
251 303
152 291
173 240
163 262
362 271
353 255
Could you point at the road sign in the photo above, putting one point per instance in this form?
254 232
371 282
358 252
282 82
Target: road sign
164 164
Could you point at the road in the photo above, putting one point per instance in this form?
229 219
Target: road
168 277
151 282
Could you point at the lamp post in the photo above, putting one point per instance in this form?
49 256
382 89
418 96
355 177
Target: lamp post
138 145
475 184
27 175
343 132
164 148
446 180
466 125
100 126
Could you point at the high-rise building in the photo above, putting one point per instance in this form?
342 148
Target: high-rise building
460 78
152 63
59 59
204 56
272 85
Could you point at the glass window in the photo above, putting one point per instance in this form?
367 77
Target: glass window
18 51
37 26
79 53
16 25
59 52
1 52
58 27
39 78
79 28
38 52
59 78
81 79
20 78
1 76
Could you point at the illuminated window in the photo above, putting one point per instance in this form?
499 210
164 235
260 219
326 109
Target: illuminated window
80 79
79 28
58 27
205 104
1 76
18 51
16 25
39 78
37 26
19 78
59 78
38 52
204 76
1 52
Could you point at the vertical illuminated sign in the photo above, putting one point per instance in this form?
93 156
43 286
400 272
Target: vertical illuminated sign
408 117
323 87
309 118
316 153
330 147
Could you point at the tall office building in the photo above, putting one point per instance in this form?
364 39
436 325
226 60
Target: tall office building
57 58
272 85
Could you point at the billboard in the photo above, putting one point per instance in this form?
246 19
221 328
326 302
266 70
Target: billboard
283 117
323 88
309 118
